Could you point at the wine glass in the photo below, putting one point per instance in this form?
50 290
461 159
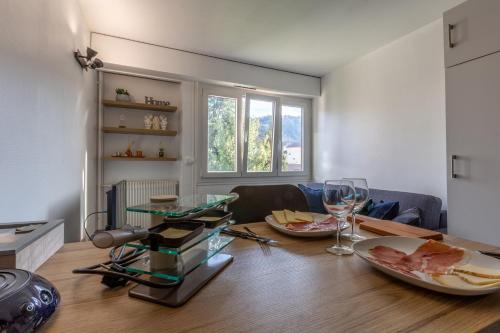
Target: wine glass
362 192
339 200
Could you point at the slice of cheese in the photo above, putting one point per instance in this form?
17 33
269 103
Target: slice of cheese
290 216
474 270
454 281
279 216
476 280
303 216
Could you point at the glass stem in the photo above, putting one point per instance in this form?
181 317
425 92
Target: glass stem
353 223
339 221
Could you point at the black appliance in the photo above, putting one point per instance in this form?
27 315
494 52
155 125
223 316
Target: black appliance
27 300
116 201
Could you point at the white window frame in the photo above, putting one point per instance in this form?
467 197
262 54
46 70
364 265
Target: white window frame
242 97
305 105
222 92
277 107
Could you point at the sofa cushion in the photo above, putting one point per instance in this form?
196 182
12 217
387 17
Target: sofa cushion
367 207
384 210
410 216
314 198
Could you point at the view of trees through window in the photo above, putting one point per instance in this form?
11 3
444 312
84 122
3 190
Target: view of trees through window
222 131
260 136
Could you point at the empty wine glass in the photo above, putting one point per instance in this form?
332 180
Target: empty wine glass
339 200
362 192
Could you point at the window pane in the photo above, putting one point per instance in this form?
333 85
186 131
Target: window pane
260 136
222 131
291 138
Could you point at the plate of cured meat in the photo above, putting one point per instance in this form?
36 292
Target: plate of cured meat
301 224
433 265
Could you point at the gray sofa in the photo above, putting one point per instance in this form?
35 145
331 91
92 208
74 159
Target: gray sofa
432 215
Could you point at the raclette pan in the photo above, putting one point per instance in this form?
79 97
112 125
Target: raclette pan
173 234
213 218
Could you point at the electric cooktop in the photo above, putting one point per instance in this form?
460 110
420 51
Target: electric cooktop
27 300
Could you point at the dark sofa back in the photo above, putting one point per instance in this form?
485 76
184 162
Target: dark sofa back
430 206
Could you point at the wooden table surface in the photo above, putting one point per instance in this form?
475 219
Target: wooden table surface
298 288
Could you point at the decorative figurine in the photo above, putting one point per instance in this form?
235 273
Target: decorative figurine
128 152
122 122
163 122
156 123
148 121
122 95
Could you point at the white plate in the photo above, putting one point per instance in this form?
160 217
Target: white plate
409 245
314 233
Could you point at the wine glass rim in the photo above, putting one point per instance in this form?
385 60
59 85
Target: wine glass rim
338 180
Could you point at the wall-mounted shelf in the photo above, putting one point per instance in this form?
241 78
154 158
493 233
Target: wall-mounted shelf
139 106
138 131
156 159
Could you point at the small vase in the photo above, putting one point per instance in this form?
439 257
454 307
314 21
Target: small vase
122 98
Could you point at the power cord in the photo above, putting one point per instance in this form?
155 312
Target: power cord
86 219
114 273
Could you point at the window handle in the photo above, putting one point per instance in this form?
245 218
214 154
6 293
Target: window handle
451 27
453 159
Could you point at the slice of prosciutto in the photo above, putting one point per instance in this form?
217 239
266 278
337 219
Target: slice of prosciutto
431 257
324 225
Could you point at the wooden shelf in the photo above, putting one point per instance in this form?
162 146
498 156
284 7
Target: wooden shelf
157 159
139 106
139 131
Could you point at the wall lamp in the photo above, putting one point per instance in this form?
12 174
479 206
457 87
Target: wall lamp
89 60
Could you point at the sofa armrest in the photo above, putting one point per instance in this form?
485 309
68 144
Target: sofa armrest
443 219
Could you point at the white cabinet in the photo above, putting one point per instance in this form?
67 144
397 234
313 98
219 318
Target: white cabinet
473 135
471 30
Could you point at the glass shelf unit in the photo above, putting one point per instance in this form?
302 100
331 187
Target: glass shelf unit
184 205
175 267
206 233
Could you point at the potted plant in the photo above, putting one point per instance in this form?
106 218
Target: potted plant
122 95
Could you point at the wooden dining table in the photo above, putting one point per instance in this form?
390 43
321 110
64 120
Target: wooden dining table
297 287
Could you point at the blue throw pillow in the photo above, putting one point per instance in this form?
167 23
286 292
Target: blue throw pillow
367 207
314 198
385 210
410 216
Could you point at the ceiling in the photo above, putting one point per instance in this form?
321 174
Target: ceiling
303 36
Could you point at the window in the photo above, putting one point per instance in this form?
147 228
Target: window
250 135
222 134
259 135
292 140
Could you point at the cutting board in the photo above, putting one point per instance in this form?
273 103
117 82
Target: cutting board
390 228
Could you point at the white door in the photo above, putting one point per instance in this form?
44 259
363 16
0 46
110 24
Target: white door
471 30
473 135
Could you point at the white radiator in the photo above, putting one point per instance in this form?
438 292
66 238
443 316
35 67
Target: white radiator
138 192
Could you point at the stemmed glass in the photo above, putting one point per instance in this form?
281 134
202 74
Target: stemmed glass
339 200
362 192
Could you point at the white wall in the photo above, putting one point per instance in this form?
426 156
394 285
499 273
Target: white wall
48 114
122 52
382 117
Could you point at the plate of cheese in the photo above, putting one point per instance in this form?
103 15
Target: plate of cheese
303 224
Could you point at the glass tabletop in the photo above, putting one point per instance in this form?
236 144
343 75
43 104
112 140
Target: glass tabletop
184 205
